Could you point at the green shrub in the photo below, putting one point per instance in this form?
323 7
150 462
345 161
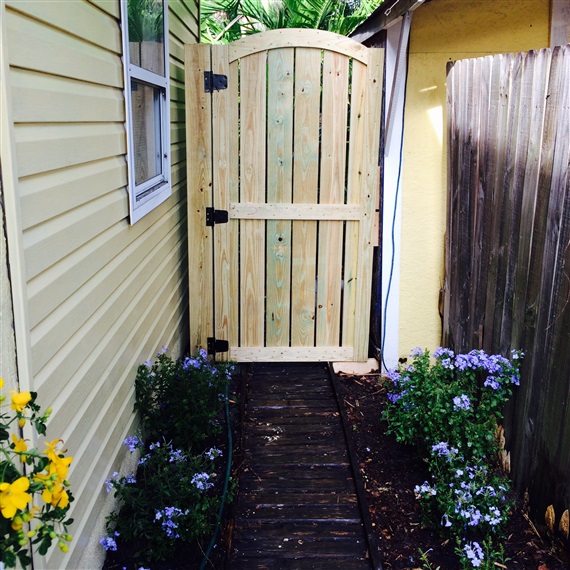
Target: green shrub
180 400
172 499
449 408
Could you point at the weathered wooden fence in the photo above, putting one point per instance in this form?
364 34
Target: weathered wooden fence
508 250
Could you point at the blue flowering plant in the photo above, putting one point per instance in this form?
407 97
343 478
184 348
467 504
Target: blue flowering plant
179 400
170 499
173 500
449 406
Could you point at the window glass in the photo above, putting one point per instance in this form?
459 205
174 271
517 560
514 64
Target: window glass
146 34
146 131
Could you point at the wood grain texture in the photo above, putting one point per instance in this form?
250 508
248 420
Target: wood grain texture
507 249
280 113
224 127
298 38
253 105
305 191
199 164
291 180
370 200
331 191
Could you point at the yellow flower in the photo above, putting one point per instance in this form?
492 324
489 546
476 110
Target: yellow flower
13 497
19 445
1 383
56 496
20 400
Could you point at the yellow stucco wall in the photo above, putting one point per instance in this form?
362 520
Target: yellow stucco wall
443 31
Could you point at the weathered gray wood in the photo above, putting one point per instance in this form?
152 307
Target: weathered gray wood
508 248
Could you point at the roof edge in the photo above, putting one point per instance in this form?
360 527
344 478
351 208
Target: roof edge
386 15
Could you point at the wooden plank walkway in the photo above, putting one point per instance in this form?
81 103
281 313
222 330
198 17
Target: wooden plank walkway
297 505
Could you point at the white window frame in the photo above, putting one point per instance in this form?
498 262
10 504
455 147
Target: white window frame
145 197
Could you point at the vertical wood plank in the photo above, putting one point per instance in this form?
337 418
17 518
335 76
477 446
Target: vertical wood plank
233 226
514 165
332 188
537 65
223 131
355 182
252 189
497 152
199 166
370 199
279 190
483 223
305 184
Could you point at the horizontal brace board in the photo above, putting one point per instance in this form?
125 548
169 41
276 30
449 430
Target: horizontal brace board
249 211
290 353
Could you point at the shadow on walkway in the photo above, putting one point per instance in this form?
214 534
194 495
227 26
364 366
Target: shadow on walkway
297 503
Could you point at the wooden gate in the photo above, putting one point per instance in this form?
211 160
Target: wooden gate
283 145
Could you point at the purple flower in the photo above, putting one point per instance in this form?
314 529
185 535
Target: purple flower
445 352
108 543
109 483
201 481
176 456
167 515
133 442
425 489
474 553
212 453
394 397
491 382
462 402
191 363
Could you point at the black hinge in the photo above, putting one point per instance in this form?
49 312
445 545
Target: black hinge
214 81
215 345
216 217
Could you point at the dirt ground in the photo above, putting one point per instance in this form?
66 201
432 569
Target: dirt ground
390 471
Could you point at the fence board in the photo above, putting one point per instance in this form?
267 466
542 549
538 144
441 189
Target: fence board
306 182
279 189
508 248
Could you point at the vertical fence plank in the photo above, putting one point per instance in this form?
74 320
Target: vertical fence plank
279 190
253 95
222 182
198 122
517 141
370 199
353 196
482 228
332 177
497 153
305 183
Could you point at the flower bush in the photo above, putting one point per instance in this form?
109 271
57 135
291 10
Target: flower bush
172 499
449 407
179 400
34 491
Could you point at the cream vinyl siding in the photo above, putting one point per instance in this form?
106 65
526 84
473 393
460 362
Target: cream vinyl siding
100 296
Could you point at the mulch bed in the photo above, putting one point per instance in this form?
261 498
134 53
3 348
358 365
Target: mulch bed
390 471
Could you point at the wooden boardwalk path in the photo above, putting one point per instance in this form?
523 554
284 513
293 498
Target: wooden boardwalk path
297 505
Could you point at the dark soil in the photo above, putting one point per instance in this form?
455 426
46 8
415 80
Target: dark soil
390 471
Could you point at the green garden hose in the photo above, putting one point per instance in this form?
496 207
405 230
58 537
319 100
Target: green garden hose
214 538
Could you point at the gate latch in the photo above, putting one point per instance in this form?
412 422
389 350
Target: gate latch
215 345
216 217
214 81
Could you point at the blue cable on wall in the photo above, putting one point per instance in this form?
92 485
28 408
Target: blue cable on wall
394 214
